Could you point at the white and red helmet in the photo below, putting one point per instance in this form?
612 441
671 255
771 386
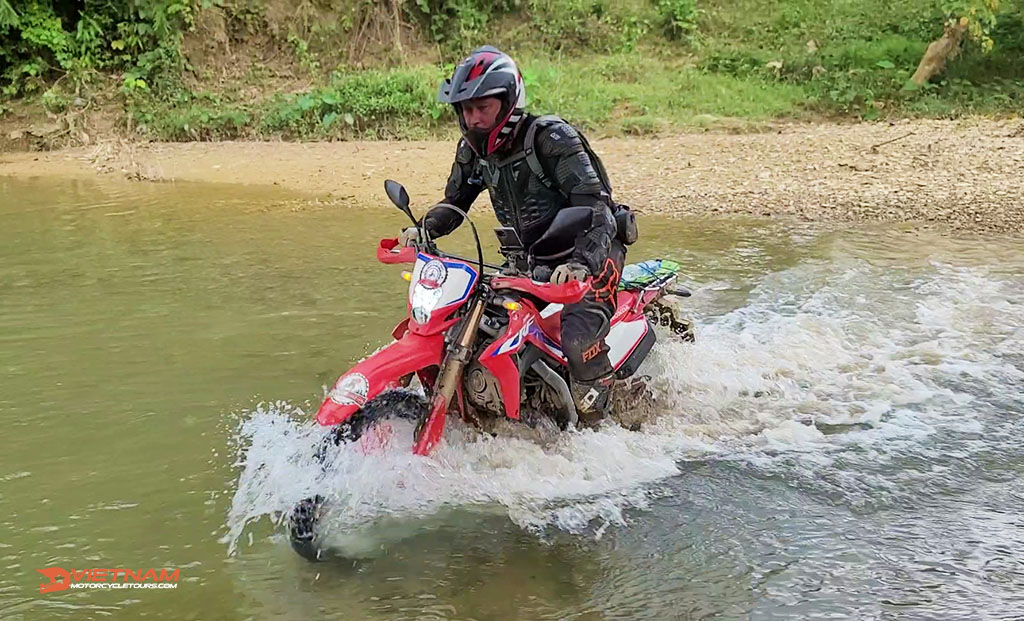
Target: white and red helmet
487 72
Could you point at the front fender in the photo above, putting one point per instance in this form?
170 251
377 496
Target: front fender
379 372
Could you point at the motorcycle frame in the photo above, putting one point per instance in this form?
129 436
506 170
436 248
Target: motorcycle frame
439 349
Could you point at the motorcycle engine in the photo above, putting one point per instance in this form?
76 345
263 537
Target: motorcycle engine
483 392
482 389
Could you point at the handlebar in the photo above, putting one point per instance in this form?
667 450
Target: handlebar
389 251
566 293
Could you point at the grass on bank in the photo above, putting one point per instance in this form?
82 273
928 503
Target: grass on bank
622 93
606 94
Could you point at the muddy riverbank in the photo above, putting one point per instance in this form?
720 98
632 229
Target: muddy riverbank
963 174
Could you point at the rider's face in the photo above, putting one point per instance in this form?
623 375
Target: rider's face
481 113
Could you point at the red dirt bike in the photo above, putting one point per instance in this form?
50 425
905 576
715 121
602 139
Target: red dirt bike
484 345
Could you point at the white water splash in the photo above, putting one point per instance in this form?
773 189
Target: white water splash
897 353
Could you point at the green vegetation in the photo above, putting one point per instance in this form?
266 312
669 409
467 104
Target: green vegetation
41 40
325 69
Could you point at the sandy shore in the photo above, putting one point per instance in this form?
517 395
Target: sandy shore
968 174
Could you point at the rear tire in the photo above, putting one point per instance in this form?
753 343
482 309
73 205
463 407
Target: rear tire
303 522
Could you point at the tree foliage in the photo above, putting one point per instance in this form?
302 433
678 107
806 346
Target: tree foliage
977 16
42 39
361 58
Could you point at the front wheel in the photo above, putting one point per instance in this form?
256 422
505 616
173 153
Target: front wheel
304 520
399 403
302 527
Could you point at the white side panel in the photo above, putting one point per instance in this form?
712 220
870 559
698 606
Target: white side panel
622 339
550 310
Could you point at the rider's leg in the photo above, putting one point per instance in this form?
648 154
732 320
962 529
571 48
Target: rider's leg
584 328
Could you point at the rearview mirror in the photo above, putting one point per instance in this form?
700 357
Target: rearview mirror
397 194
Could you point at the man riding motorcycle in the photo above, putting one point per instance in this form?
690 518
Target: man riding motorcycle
487 92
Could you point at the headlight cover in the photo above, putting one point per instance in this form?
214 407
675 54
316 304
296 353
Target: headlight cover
424 301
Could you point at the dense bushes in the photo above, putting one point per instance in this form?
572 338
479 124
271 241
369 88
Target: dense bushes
42 40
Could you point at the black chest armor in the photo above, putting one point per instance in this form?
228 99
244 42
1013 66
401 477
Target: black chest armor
519 198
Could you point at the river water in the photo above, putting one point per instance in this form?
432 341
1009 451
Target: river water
842 441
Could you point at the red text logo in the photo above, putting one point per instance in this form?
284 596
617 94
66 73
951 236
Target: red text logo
97 578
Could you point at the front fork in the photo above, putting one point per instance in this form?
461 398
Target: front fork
459 355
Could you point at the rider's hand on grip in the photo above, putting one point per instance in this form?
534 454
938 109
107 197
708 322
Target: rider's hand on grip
568 272
409 237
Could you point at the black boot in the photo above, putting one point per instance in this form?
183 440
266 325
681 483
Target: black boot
593 400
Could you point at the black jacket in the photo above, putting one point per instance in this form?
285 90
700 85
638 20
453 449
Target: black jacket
521 200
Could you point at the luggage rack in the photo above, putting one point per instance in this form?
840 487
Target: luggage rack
661 314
